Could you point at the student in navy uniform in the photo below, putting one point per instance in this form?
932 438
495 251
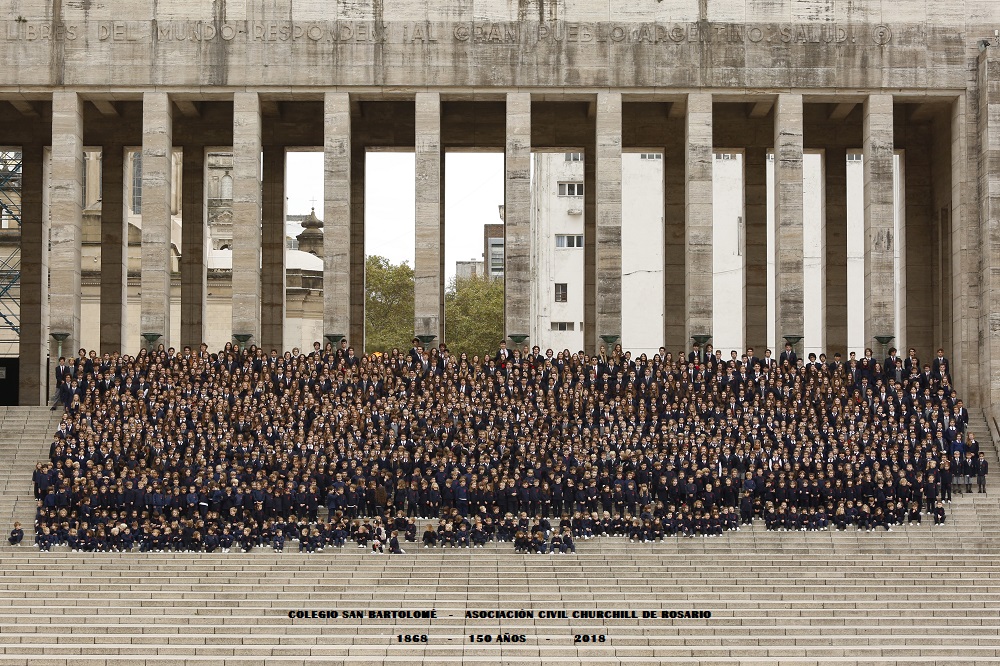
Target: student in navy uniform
930 492
211 540
430 537
840 518
538 543
410 531
394 548
16 535
446 533
940 367
462 538
339 535
478 537
982 468
788 355
945 476
247 540
44 540
970 466
506 529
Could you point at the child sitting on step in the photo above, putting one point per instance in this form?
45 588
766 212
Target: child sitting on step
44 540
16 535
430 537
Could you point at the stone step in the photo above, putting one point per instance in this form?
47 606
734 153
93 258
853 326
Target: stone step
458 644
981 423
26 433
312 633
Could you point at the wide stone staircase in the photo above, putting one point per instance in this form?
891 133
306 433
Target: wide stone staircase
916 595
830 602
25 436
981 424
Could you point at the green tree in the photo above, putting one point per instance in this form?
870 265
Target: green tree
388 304
473 311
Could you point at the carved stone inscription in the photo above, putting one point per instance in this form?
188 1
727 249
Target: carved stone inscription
423 32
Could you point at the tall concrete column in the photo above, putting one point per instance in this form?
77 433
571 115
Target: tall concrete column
66 212
834 235
609 215
194 248
899 269
674 250
356 333
272 274
989 207
157 179
114 250
590 340
755 248
919 250
246 215
966 271
698 215
880 306
441 244
517 216
34 338
337 215
92 161
428 292
176 193
788 215
938 270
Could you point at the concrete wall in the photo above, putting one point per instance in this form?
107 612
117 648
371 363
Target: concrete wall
642 253
553 215
727 252
850 44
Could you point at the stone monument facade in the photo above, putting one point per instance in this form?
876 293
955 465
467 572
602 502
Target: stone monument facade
681 76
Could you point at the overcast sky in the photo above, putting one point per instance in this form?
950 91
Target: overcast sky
473 192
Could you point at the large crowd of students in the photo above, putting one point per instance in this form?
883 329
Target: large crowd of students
203 451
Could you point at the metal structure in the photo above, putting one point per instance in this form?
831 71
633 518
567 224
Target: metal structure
10 266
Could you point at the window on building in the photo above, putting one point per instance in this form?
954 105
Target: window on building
562 292
563 326
571 189
569 240
496 257
853 157
137 183
725 156
226 187
650 156
574 157
10 188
